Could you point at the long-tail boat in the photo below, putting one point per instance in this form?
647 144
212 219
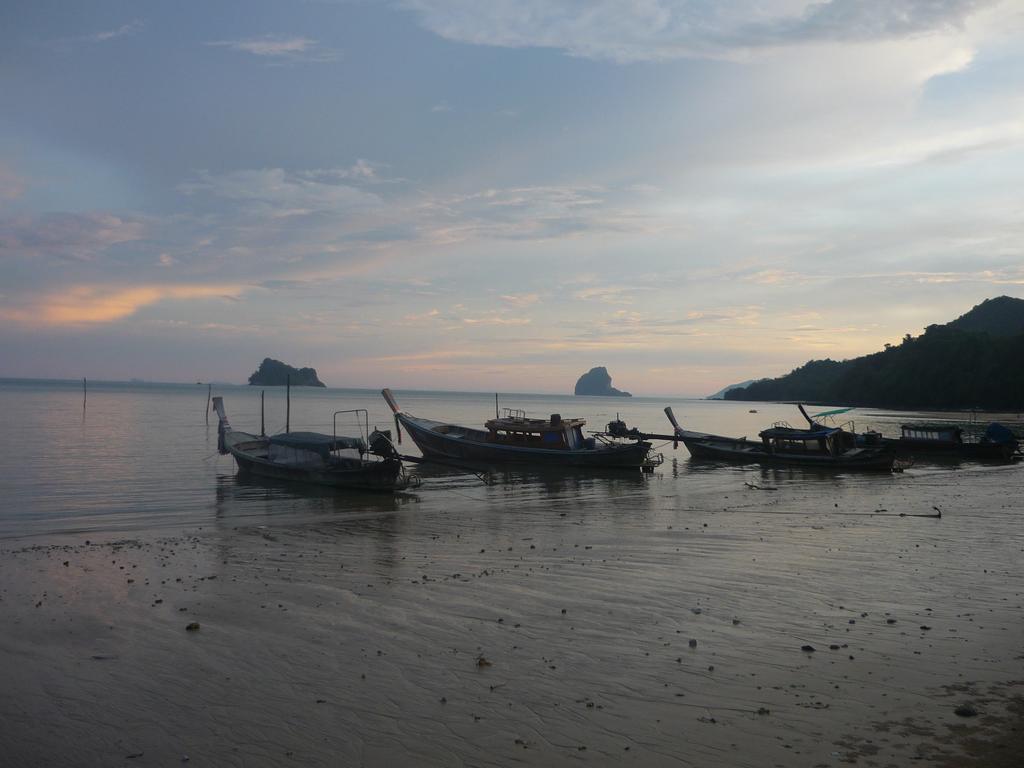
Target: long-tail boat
369 462
817 446
997 443
514 438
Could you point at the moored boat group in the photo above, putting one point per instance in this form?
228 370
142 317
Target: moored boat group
371 460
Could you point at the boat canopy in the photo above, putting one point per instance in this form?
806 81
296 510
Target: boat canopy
834 412
788 433
318 443
949 432
536 426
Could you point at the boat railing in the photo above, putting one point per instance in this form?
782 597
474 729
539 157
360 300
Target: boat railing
514 413
363 425
781 425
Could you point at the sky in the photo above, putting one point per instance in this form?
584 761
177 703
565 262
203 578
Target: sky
497 196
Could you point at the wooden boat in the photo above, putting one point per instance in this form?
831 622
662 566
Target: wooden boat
818 446
371 464
514 438
998 443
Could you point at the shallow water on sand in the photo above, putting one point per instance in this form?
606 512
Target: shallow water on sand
539 619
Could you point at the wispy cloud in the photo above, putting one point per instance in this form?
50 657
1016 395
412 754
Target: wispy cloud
357 205
279 192
521 299
12 186
609 294
125 30
665 29
73 236
495 318
362 170
532 213
280 49
98 304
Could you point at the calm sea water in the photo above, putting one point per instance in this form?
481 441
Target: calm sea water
139 455
542 619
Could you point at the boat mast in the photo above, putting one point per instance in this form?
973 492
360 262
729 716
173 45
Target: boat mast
288 403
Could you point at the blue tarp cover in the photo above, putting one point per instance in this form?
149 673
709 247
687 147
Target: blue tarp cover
997 433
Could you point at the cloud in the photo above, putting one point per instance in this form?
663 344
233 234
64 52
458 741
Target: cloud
495 318
360 170
871 19
125 30
72 236
609 294
281 193
775 277
281 50
531 213
521 299
98 304
947 146
623 30
335 213
12 186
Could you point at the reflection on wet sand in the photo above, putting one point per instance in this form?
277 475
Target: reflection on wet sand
538 619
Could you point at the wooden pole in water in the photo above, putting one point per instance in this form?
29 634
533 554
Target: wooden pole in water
84 393
209 393
263 430
288 404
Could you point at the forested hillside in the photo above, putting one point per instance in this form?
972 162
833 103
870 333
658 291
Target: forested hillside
976 361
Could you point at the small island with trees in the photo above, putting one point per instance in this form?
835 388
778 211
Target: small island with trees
598 382
274 373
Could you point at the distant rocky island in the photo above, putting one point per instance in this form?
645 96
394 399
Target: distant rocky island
975 361
596 381
274 373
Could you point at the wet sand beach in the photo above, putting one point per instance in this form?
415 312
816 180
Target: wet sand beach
662 620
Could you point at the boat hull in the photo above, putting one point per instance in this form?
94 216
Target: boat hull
991 451
385 475
465 448
742 451
979 451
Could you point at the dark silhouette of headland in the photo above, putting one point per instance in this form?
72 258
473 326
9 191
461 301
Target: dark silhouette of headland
720 394
975 361
274 373
596 381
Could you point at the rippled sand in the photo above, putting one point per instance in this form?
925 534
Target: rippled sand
542 621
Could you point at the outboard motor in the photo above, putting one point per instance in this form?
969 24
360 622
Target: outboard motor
380 443
618 428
